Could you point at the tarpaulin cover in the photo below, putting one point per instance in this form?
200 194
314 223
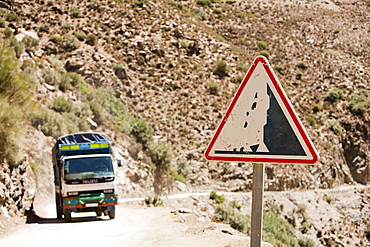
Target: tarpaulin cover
79 138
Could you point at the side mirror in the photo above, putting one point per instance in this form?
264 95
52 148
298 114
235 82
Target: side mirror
119 163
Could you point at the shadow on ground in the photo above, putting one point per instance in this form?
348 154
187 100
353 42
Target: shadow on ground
33 218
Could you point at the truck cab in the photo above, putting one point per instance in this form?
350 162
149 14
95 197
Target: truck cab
84 175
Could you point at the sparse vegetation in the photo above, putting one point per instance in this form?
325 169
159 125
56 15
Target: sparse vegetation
335 126
302 65
229 215
214 88
311 120
306 242
204 2
178 176
277 230
217 12
70 42
44 28
91 39
262 45
15 102
241 67
178 5
334 95
184 43
12 17
113 105
182 170
328 199
99 114
60 104
139 3
161 156
221 68
220 37
75 12
80 36
265 53
280 69
60 79
56 39
359 103
332 52
30 43
8 33
155 201
66 26
236 205
141 132
299 75
317 108
216 197
241 15
52 123
199 14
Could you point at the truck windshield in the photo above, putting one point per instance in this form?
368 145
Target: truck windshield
81 168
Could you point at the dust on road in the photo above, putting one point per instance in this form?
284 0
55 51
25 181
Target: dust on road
135 225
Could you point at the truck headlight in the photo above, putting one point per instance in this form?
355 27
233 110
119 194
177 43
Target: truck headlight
109 191
73 193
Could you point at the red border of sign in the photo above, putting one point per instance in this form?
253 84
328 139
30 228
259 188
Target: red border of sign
290 110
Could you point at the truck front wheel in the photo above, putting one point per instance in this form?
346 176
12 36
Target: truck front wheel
67 215
58 207
112 213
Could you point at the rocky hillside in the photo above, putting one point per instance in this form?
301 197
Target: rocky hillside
164 60
177 64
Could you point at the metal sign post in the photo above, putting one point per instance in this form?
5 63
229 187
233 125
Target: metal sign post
257 205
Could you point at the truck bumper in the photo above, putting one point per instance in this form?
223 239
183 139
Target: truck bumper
93 202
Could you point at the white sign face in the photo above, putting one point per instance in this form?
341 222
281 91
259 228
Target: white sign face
260 124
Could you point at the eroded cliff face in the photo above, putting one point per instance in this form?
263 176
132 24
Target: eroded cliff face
356 151
17 189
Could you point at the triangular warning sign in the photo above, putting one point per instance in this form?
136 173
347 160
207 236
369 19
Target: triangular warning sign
261 125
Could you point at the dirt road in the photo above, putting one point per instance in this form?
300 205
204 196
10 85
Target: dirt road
135 225
181 221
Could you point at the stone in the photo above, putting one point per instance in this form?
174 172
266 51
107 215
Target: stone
74 65
23 33
180 186
184 211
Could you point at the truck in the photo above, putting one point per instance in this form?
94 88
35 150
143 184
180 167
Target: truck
84 175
